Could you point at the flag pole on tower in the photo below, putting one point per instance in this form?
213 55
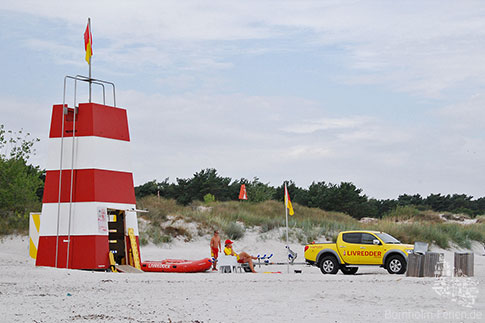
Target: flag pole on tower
88 46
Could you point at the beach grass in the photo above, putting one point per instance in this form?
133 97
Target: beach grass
407 224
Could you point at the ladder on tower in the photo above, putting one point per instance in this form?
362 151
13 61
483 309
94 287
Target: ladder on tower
134 257
134 249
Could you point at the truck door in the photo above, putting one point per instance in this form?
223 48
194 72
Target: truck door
349 247
371 254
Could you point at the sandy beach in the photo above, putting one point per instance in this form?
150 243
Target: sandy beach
40 294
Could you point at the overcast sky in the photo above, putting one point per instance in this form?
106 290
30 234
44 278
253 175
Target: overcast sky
389 95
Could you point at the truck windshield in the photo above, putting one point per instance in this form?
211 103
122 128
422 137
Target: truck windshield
387 238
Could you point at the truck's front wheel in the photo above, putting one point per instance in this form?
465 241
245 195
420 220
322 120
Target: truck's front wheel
396 264
329 265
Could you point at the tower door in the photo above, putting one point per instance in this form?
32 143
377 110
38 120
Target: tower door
116 236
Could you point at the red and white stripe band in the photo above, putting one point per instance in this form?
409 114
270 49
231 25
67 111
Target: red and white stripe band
91 120
90 185
84 219
90 152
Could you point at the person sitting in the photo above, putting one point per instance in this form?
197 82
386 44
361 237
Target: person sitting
242 257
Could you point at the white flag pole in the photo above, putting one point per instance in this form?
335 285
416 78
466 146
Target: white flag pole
288 249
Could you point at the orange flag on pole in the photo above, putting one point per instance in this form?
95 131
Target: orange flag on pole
242 193
88 43
288 202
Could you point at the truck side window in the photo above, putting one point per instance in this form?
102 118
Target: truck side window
353 237
368 238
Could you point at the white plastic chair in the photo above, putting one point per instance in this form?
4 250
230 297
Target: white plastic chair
228 264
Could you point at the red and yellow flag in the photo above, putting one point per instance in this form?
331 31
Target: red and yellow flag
288 202
88 43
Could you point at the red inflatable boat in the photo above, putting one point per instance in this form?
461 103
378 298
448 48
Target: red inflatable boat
177 265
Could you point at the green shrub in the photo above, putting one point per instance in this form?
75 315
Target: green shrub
156 236
158 208
311 233
270 224
209 198
402 213
20 183
234 230
14 222
440 234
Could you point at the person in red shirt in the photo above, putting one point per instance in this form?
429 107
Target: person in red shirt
242 257
215 247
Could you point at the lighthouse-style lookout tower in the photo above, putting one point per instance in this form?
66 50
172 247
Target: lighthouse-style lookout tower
89 200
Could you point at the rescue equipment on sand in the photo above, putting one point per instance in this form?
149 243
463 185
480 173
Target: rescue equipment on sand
177 265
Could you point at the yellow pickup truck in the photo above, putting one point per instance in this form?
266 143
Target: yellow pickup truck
359 248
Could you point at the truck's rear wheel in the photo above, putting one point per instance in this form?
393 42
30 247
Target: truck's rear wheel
329 265
396 265
348 270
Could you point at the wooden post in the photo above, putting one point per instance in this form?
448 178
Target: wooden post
415 265
427 265
433 264
464 264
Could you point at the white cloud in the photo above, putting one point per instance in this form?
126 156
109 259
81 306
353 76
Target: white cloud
467 116
431 50
327 124
422 48
305 152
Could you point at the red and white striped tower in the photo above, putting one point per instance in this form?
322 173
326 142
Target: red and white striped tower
74 224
